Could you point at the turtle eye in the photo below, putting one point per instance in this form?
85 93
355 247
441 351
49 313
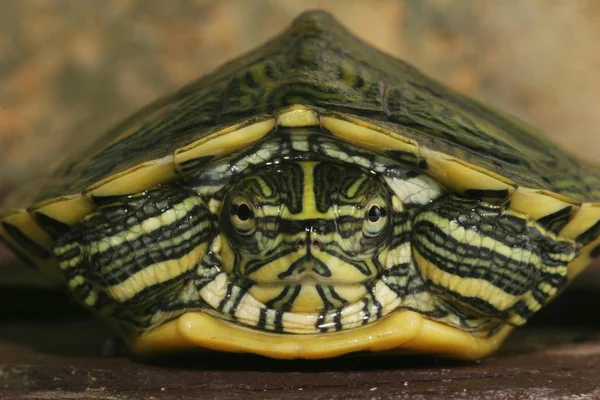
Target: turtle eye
375 219
242 216
374 213
243 212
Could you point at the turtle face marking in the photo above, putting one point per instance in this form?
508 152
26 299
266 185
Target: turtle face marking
306 236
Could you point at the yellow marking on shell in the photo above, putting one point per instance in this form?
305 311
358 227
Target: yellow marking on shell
66 209
537 203
30 228
583 260
587 215
455 174
466 287
367 136
583 219
135 179
401 332
156 273
459 176
27 225
225 141
297 116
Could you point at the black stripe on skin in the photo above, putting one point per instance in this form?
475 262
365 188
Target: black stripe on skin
440 240
256 264
22 240
398 240
435 314
262 319
420 288
121 215
118 218
236 302
278 321
492 221
319 323
188 305
335 295
149 295
290 302
297 267
319 225
143 241
337 320
138 255
360 266
397 270
327 305
287 305
478 306
366 312
225 299
378 306
94 231
397 289
503 278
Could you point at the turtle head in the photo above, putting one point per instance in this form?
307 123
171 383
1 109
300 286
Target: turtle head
305 236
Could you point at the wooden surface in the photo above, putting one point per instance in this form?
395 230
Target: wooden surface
51 350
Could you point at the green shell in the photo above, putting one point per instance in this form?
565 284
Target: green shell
317 62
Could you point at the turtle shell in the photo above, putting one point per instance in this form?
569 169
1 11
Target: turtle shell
316 74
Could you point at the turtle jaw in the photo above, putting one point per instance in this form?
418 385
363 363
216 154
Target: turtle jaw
401 332
309 283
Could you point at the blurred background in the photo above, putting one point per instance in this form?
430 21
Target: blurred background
71 68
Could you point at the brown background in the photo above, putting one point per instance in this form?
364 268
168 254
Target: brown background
73 68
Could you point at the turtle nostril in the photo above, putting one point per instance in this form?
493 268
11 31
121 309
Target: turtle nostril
299 244
317 244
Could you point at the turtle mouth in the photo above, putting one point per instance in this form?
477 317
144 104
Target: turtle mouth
284 310
308 295
313 282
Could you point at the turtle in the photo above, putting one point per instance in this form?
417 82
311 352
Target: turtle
312 198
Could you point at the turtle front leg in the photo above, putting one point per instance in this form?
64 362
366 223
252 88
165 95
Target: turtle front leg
485 262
